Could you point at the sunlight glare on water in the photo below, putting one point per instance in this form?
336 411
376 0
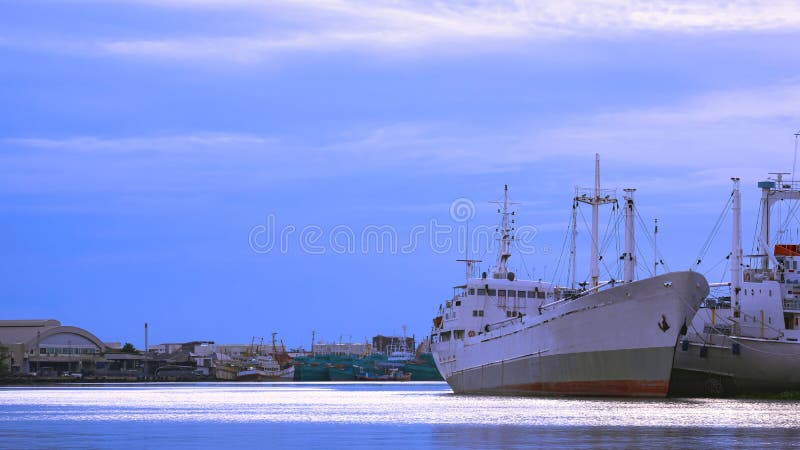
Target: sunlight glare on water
429 408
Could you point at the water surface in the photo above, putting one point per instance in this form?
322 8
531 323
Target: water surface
371 415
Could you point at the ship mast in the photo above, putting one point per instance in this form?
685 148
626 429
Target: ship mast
595 200
736 245
574 238
771 192
630 238
501 269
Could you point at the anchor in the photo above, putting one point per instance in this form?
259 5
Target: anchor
663 325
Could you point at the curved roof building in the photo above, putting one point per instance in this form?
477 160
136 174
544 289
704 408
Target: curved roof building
46 344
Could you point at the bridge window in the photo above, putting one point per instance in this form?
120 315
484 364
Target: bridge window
481 291
492 292
471 291
501 293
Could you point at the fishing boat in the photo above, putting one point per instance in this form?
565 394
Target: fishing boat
746 340
265 368
499 334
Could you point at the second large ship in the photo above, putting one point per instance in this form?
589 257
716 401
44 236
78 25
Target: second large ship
500 334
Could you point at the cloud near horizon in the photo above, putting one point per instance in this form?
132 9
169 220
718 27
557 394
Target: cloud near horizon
709 134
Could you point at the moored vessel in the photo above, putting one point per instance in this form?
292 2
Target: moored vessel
501 334
746 340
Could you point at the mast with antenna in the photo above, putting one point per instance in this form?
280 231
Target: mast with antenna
595 200
501 269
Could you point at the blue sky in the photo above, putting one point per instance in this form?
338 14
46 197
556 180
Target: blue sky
143 142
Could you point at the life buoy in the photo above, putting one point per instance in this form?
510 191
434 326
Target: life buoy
471 333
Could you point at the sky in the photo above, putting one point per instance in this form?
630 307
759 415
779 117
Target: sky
224 169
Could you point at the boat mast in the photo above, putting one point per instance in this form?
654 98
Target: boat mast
594 268
595 200
573 243
763 238
630 238
501 269
771 192
736 244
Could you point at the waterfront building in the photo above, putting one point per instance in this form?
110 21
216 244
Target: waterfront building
49 348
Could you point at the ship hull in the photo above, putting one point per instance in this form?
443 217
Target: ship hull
616 342
640 373
761 366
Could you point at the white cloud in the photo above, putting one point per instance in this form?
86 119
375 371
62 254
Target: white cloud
704 140
334 25
280 27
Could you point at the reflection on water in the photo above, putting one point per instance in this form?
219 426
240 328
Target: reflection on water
369 415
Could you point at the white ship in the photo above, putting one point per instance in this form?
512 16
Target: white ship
747 341
500 334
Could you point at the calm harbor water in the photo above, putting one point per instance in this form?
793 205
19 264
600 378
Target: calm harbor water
371 415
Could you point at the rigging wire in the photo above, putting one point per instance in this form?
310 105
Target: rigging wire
608 239
659 260
754 242
599 256
714 232
561 255
641 264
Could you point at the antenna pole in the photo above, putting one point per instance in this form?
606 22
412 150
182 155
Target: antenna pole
146 354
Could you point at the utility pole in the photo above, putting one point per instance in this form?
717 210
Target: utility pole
146 352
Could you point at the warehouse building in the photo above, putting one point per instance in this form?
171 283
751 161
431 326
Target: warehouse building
47 348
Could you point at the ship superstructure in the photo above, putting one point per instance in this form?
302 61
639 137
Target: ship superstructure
501 334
